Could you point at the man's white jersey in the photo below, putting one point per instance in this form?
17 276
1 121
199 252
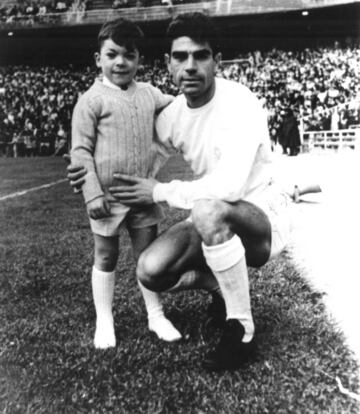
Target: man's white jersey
225 141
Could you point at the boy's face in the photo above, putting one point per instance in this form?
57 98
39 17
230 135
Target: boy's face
117 63
192 67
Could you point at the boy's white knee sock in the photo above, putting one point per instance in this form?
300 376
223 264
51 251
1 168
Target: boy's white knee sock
103 284
158 323
228 263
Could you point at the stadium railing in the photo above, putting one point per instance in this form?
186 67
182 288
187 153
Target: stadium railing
331 140
212 7
97 16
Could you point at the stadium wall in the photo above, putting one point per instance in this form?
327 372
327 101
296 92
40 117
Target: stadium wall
287 30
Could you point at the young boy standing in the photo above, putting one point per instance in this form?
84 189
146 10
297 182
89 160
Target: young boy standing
112 131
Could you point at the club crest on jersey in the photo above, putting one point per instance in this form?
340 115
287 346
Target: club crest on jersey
217 153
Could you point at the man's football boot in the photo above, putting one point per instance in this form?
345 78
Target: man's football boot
216 312
230 353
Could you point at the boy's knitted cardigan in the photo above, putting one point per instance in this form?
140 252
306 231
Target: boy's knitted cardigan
112 131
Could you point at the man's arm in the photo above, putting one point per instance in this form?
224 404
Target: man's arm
226 183
160 155
137 192
75 174
161 99
235 153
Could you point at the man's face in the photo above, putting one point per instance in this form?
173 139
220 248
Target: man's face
192 67
117 63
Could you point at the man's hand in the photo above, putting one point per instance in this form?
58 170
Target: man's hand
135 191
98 208
75 174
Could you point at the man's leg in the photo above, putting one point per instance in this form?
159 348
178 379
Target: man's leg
174 253
233 236
175 262
178 250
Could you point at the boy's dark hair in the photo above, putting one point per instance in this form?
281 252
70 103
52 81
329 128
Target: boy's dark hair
123 32
197 26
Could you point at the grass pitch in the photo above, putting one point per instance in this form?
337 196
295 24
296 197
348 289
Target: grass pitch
47 360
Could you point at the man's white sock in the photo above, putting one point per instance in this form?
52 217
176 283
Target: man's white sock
103 285
158 323
228 263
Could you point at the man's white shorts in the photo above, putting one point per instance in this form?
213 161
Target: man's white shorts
277 207
275 203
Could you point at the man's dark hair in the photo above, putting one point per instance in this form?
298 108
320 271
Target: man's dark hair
123 32
197 26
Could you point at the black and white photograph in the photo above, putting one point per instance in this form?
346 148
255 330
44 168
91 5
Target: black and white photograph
179 206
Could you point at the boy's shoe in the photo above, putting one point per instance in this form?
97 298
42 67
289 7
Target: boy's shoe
216 312
231 352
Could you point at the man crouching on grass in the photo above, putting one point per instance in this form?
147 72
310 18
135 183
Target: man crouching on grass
238 214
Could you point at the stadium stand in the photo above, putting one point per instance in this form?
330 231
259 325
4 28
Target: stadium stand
8 3
16 13
19 11
331 140
321 85
102 4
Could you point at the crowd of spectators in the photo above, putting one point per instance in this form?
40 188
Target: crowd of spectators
321 86
30 11
36 106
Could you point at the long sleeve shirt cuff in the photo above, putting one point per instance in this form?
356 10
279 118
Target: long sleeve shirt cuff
159 193
169 192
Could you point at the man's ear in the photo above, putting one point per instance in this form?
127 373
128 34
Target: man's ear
217 59
167 60
141 60
97 59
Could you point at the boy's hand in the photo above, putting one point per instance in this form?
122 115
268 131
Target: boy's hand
136 191
98 208
75 174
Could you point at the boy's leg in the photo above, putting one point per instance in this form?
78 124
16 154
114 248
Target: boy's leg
158 323
103 285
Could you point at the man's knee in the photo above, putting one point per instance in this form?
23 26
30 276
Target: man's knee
149 272
209 219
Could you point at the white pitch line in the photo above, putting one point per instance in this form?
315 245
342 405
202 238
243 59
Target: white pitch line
40 187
